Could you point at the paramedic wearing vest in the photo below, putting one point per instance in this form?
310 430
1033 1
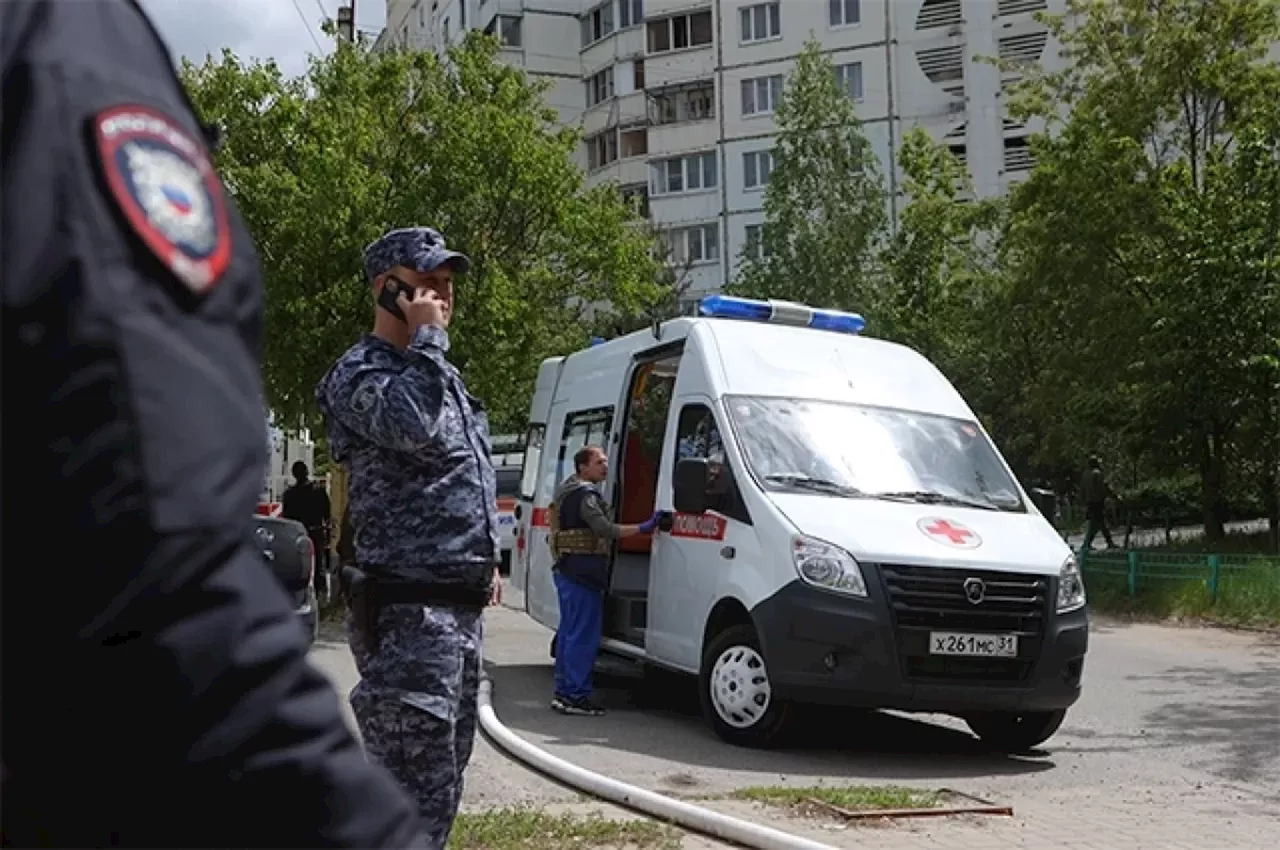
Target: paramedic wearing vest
423 503
580 544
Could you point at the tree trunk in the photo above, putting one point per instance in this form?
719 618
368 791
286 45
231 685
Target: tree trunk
1211 478
1270 477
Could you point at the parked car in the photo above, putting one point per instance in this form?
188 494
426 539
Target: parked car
291 555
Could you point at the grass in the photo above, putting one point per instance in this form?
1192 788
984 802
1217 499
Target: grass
529 829
852 797
1176 582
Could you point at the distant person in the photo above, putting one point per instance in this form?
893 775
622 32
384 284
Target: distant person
307 502
1095 492
580 543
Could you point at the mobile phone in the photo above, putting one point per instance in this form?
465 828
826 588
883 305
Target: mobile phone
387 297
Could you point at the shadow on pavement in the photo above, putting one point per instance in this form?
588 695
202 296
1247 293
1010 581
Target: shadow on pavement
660 718
1240 727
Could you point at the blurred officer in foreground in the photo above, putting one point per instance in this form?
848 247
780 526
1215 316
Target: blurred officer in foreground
423 499
156 685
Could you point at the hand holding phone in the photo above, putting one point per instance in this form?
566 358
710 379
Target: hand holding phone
413 306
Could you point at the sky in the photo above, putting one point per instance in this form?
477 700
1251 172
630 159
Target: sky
284 30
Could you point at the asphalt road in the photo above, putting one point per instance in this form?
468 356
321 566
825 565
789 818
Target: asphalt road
1176 742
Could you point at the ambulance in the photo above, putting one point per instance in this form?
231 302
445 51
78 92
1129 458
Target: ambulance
844 531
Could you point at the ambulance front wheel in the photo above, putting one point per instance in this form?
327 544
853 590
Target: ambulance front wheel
737 698
1015 732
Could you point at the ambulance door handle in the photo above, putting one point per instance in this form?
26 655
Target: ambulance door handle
727 552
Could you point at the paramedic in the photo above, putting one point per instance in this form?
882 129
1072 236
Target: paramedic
168 700
581 544
423 495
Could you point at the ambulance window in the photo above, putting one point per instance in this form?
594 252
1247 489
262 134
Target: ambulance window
586 427
532 460
698 435
508 481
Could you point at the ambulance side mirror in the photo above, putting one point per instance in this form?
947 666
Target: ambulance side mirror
693 475
519 512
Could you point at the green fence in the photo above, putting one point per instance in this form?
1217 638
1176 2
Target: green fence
1242 586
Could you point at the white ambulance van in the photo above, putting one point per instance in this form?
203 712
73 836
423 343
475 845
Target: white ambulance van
844 531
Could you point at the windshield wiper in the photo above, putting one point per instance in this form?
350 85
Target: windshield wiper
808 482
933 497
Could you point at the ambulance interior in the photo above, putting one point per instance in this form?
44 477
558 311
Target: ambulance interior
645 427
635 493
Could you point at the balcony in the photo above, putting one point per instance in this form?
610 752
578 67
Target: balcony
678 103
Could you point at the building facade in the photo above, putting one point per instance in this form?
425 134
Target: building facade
675 98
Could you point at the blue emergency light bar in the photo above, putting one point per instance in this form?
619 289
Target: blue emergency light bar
780 313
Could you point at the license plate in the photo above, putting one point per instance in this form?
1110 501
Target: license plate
982 646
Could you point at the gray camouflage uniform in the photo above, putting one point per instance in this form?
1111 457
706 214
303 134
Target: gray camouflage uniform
423 501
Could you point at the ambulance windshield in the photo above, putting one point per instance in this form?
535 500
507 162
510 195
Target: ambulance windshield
870 452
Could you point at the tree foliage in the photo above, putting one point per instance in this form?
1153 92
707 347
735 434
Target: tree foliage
824 204
322 164
1123 299
1144 243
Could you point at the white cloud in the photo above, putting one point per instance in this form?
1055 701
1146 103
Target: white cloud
283 30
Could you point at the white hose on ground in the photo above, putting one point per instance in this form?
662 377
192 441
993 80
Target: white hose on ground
695 818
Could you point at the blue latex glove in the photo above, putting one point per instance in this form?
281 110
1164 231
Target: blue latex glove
648 526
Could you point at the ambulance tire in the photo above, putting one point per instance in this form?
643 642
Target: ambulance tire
1015 732
735 688
552 650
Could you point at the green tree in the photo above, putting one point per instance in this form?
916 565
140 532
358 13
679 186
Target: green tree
825 206
323 164
1145 241
942 260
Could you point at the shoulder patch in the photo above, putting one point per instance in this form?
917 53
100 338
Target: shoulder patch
164 183
364 397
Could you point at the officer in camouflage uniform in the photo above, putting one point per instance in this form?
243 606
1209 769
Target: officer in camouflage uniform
423 502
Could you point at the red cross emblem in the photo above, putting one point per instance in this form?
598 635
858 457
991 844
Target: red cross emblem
949 533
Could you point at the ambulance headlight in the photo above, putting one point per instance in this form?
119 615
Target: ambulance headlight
826 566
1070 586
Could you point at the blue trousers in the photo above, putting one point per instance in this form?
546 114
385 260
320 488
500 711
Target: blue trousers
578 638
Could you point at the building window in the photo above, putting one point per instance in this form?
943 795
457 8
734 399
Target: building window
637 74
697 244
696 102
761 95
633 141
691 173
843 13
1017 154
507 28
754 243
849 78
602 149
680 31
761 22
597 23
630 13
756 168
637 197
600 86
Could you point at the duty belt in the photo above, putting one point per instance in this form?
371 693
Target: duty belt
367 594
580 541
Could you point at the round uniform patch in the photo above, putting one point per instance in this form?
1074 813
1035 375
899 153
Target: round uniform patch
165 184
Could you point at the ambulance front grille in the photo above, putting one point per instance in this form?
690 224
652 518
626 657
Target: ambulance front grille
933 599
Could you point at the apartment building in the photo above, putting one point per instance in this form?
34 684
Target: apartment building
675 98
